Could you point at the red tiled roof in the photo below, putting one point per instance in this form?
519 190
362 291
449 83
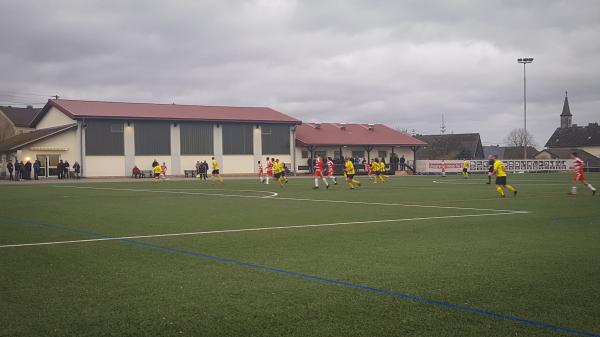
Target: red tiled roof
352 134
121 110
20 117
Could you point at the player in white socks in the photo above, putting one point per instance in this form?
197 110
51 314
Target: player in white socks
578 164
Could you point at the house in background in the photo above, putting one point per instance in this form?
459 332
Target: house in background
363 141
14 121
592 162
451 146
573 137
509 152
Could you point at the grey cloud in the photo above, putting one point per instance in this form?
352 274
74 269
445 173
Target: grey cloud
398 62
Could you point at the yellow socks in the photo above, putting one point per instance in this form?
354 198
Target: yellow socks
499 189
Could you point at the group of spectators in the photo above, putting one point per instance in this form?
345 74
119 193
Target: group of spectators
202 170
20 170
63 169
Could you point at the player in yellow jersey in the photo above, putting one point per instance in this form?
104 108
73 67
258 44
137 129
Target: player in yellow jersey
500 172
382 169
215 170
349 172
157 170
465 169
277 172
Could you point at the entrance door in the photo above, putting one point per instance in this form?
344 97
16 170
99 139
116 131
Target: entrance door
48 164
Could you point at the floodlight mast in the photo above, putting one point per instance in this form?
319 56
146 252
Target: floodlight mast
525 60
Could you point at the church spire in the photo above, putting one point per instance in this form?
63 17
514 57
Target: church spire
565 116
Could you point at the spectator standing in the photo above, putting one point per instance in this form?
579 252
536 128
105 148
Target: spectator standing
17 171
198 164
10 167
22 170
28 170
402 163
60 167
66 169
77 169
36 169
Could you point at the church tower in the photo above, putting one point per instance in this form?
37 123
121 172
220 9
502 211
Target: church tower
565 116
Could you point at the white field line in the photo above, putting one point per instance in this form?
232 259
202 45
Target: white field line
272 194
519 183
297 199
258 229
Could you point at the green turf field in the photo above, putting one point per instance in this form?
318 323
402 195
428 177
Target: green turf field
411 257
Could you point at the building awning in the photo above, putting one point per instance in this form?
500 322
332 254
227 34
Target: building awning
20 141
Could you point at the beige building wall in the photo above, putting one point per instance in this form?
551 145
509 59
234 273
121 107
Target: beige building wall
188 162
7 129
145 162
595 150
104 166
54 117
236 164
66 145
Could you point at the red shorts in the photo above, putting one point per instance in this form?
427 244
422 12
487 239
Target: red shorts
318 173
270 173
260 173
579 177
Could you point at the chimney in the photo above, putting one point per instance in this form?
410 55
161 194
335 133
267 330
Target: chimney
343 126
29 106
317 125
371 127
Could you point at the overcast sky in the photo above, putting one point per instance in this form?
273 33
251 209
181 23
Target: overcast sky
402 63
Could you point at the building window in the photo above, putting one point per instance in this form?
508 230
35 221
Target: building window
382 154
358 154
100 140
196 138
152 138
304 154
238 138
337 155
275 139
116 128
322 154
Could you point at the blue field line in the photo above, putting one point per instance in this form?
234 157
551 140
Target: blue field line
438 303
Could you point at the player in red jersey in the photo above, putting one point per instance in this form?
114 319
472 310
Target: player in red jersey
261 176
578 164
331 170
319 173
269 169
368 168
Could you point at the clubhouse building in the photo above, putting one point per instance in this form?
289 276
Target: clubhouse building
109 138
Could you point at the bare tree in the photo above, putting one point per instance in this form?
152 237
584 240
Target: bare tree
519 137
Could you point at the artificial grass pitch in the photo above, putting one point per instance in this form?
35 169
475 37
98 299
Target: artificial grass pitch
415 256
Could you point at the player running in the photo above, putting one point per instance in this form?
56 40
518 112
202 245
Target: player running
331 170
261 176
269 169
490 169
465 169
319 173
500 172
349 172
157 170
215 171
277 169
578 164
369 169
443 166
383 175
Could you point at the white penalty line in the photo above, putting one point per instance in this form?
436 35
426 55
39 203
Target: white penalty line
256 229
296 199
